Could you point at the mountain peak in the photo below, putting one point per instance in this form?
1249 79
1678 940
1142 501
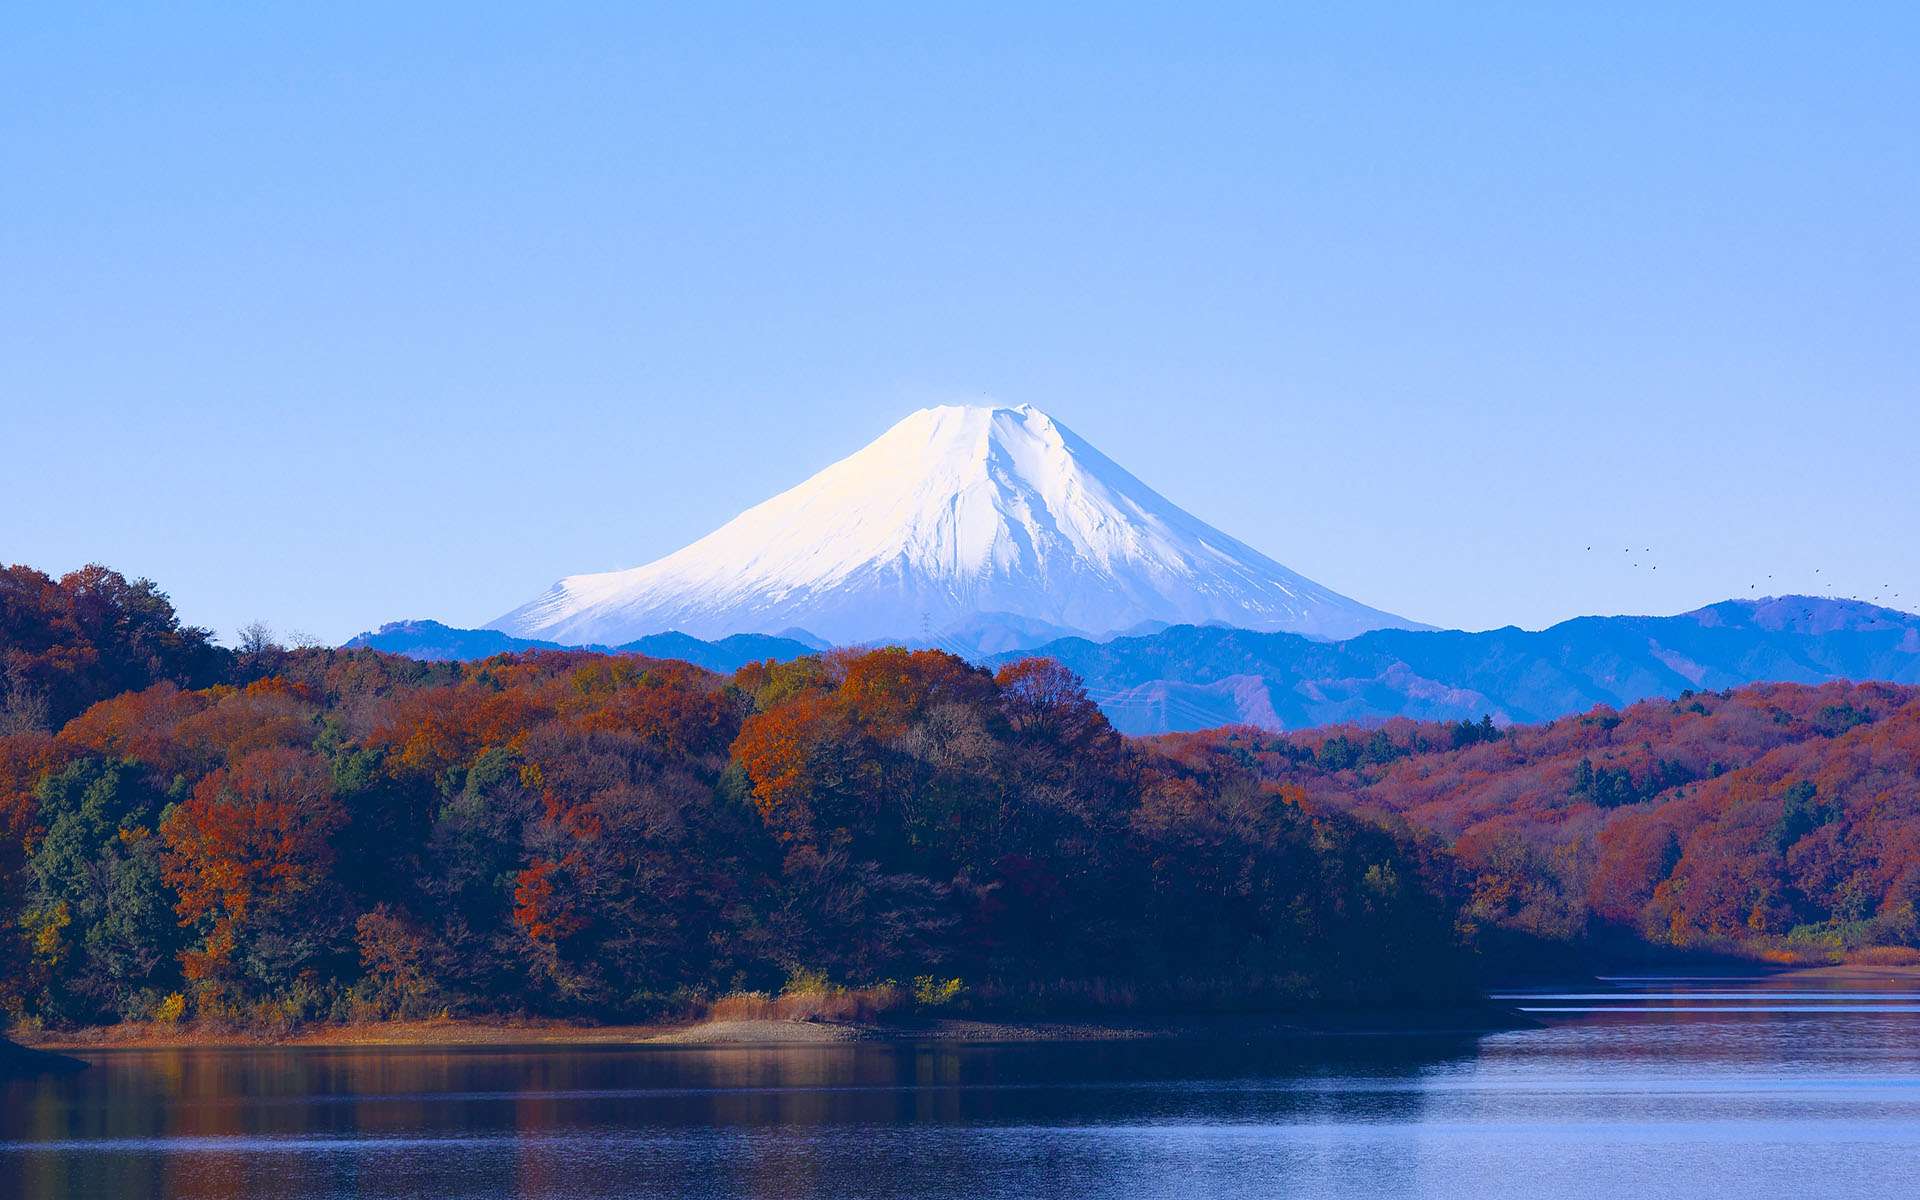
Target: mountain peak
948 411
955 511
964 435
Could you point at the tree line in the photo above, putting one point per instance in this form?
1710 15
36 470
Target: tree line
263 835
269 835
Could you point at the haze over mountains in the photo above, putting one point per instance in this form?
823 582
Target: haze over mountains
955 516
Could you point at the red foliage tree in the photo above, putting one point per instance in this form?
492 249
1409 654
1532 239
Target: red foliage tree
251 835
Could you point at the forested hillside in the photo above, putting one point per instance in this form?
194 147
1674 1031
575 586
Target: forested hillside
350 835
267 835
1775 819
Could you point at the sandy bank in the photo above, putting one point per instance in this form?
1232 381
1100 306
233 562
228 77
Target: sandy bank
784 1033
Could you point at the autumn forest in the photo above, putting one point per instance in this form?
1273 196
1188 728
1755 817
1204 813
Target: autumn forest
264 836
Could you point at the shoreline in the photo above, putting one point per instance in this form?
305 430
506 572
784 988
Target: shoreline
1490 1016
1453 1022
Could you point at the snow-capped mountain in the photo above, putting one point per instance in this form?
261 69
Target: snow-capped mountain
954 514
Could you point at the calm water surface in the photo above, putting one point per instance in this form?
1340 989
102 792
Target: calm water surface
1645 1088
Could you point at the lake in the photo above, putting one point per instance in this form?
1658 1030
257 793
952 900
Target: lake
1642 1087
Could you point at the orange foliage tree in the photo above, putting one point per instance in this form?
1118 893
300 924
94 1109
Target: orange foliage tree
253 836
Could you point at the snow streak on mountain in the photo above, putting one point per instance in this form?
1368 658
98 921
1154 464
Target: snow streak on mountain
953 514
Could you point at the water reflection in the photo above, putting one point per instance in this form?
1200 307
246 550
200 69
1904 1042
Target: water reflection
1764 1103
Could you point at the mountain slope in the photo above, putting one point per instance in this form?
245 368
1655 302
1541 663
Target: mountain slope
952 513
1192 678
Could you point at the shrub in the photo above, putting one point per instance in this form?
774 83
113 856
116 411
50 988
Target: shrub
803 982
929 992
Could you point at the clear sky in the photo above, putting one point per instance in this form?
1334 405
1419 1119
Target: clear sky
329 315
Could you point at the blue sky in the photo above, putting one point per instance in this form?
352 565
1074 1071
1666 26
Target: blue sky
331 315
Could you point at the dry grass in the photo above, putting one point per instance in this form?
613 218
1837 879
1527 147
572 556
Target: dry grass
1830 956
811 1003
1886 956
1799 956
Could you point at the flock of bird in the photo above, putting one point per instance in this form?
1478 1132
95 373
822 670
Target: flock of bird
1886 589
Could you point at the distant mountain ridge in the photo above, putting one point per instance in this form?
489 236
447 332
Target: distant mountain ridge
1196 677
954 514
434 642
1191 677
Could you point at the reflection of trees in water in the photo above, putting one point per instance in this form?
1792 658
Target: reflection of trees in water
775 1122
